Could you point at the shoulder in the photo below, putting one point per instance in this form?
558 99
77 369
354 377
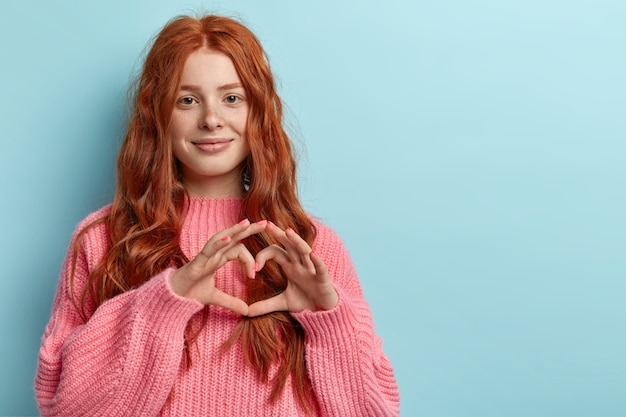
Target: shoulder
330 247
92 235
327 242
324 234
93 223
93 217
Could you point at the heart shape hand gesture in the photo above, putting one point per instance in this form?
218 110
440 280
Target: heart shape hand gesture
308 286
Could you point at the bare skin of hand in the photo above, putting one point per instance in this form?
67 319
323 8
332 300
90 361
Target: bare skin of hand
309 287
196 279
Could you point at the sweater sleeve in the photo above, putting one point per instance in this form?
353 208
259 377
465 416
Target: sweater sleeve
124 359
350 374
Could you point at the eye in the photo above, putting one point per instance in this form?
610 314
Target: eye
232 99
187 101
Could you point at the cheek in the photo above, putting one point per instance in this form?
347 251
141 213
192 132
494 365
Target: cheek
176 137
242 122
175 141
177 127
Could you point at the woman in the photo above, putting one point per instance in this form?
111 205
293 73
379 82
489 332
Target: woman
169 303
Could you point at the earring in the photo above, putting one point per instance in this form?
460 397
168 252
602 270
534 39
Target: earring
247 180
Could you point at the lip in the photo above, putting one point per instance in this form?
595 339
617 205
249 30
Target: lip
212 145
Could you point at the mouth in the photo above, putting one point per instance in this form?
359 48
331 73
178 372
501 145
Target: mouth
212 145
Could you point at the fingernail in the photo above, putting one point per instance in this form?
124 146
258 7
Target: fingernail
225 238
244 221
262 222
256 266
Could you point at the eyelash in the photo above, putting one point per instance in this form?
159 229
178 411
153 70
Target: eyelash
232 96
184 101
228 99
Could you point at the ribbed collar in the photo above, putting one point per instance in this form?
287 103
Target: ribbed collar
205 217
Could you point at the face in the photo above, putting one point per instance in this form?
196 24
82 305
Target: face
208 127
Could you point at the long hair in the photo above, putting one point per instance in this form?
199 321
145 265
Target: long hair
149 203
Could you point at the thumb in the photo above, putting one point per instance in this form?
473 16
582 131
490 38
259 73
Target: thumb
276 303
274 252
229 302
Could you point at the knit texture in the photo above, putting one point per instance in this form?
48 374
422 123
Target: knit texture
127 359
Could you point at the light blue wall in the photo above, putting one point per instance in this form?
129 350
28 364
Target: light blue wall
471 154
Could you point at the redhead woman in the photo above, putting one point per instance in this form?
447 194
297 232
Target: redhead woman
204 289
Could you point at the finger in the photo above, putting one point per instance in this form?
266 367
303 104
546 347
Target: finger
320 266
241 253
280 235
276 303
274 252
222 239
229 302
251 229
232 230
231 236
211 248
301 247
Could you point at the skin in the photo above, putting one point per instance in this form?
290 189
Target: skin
212 106
308 288
208 125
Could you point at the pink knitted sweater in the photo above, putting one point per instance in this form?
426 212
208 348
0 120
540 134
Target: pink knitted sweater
126 360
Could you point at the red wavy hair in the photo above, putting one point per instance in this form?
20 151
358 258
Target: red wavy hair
149 203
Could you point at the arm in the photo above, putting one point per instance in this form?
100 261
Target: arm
349 372
348 369
124 359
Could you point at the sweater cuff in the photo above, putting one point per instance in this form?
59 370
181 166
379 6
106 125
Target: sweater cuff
168 311
324 328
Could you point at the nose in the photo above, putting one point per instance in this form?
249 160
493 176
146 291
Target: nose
210 118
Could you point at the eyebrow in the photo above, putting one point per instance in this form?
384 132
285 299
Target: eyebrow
224 87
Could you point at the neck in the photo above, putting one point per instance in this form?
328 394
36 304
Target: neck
230 186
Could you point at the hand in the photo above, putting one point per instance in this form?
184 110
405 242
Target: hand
308 285
196 279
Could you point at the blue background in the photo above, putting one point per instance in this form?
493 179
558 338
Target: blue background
471 153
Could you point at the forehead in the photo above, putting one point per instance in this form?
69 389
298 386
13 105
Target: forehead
207 67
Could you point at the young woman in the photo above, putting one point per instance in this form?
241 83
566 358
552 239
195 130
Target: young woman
169 304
